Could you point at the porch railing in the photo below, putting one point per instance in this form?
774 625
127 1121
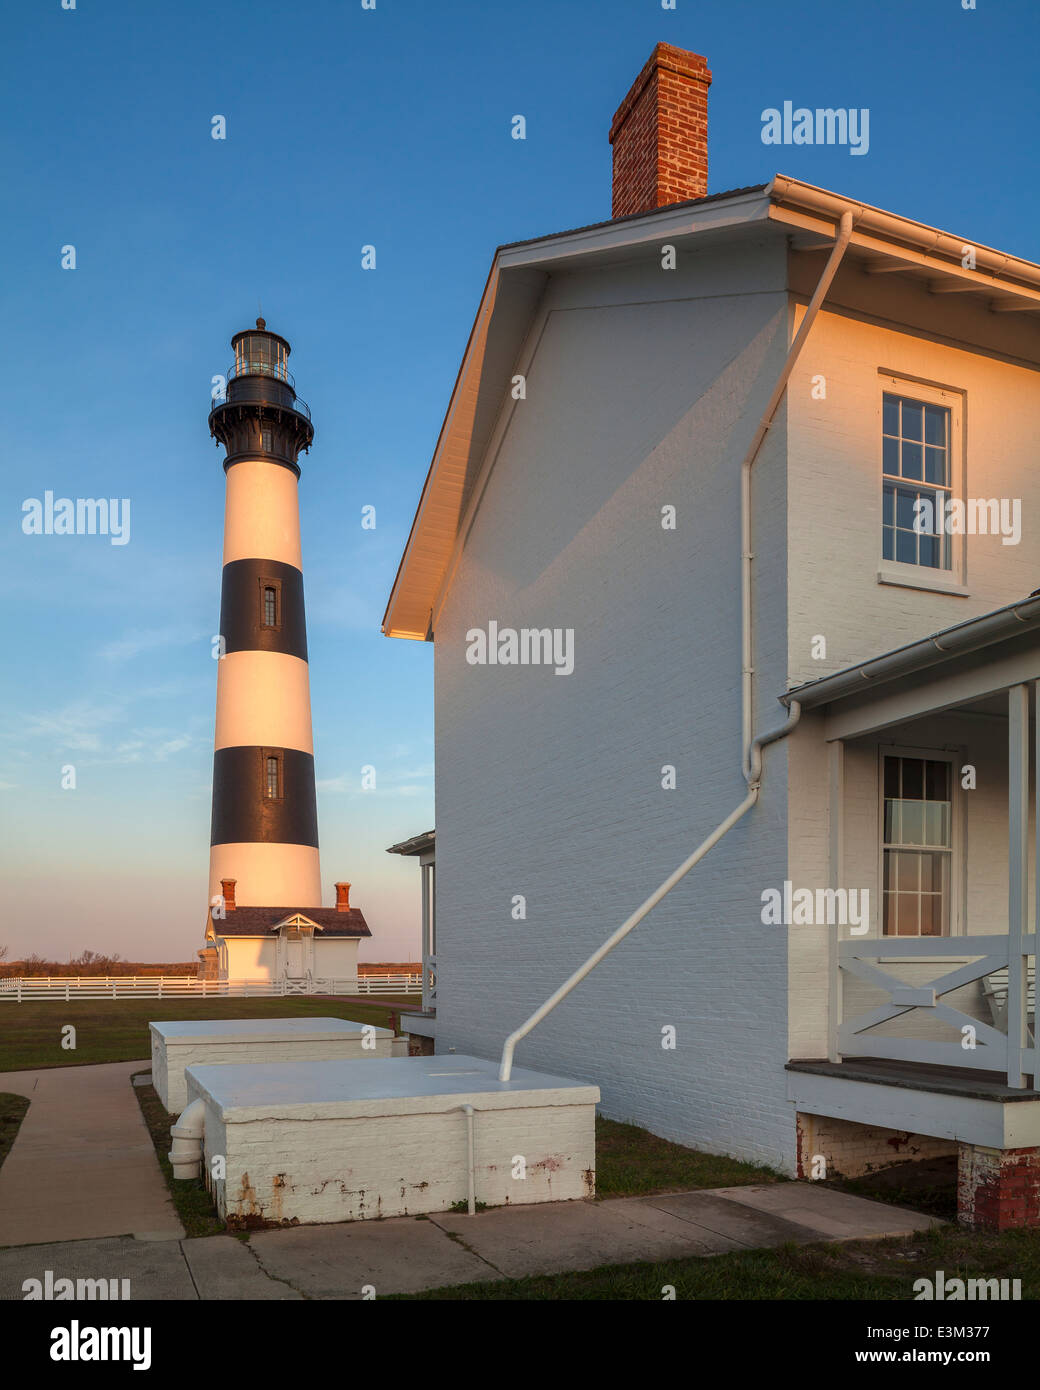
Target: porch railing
981 1046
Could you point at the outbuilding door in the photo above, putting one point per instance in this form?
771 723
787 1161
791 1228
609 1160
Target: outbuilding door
294 954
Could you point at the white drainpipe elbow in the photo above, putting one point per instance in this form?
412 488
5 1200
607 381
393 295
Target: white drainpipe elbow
188 1132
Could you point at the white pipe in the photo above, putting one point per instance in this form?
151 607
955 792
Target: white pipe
666 887
841 242
469 1158
188 1133
751 747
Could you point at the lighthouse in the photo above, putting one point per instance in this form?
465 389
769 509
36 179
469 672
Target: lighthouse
264 831
265 919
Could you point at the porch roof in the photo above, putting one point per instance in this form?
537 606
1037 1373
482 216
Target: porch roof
1003 625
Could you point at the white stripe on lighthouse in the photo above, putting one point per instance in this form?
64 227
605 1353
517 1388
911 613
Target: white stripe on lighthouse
262 513
269 875
263 700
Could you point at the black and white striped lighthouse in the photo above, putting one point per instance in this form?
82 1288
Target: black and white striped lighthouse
264 832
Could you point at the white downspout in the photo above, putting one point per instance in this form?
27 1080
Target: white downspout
841 242
752 747
188 1133
472 1191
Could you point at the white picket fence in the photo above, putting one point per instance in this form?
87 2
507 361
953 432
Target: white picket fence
24 988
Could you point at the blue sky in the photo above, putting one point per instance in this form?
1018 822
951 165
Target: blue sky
345 127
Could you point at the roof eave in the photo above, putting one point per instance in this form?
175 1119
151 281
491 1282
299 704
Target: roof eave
945 645
511 293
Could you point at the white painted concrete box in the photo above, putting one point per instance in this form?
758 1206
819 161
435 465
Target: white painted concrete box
254 1040
345 1140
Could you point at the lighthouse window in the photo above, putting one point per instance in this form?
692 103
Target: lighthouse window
265 440
274 788
270 602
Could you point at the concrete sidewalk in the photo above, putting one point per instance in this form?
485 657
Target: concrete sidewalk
407 1254
83 1163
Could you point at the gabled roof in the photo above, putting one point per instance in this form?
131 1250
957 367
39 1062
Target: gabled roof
261 921
517 279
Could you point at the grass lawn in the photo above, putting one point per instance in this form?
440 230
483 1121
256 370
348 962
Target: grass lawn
865 1269
192 1201
197 1213
631 1163
116 1030
12 1113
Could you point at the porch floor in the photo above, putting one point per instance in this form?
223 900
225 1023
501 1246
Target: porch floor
918 1076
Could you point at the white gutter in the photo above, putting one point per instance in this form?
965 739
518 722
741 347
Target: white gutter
752 747
959 640
872 222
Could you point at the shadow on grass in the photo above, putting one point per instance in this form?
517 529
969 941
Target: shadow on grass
192 1202
631 1162
13 1110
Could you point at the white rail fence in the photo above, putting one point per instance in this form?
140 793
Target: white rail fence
25 988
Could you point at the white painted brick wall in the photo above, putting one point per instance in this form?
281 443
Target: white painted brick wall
834 492
284 1170
549 786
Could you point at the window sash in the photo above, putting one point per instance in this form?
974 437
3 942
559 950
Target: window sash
916 465
917 845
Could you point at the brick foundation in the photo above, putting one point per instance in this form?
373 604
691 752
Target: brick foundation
851 1150
998 1189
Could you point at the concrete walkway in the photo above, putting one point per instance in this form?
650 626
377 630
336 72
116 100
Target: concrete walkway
83 1163
407 1254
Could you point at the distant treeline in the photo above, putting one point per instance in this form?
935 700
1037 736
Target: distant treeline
91 963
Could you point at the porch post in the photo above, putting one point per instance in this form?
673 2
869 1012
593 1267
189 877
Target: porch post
836 772
424 870
1018 871
1036 877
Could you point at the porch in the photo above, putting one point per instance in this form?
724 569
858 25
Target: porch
932 792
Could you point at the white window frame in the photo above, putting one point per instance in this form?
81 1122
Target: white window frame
955 757
898 572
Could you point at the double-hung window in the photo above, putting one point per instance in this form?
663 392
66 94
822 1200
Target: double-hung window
917 846
917 481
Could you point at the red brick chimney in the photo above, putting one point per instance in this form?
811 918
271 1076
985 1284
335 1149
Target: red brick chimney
227 888
660 133
342 897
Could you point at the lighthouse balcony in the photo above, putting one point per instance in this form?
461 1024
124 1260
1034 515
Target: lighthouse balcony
261 389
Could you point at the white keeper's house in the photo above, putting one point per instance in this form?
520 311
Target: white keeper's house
729 548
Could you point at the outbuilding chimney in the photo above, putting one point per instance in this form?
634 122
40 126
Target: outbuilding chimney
227 891
342 897
660 133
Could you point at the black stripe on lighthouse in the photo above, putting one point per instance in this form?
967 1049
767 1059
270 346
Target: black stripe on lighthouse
263 795
244 811
242 608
